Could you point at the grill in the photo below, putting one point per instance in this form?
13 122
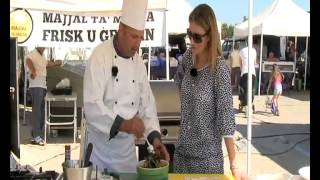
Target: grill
167 100
169 125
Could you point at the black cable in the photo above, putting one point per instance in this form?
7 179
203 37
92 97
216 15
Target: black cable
285 134
264 121
274 135
279 153
52 157
48 159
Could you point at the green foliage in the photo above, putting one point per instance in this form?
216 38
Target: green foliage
226 31
244 18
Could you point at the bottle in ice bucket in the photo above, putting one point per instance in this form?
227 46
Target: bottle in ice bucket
67 152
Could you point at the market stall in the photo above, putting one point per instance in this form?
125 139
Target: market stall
63 24
282 18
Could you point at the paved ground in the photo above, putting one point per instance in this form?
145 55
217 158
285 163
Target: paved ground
288 147
280 144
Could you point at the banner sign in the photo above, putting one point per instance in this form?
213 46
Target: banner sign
20 25
61 30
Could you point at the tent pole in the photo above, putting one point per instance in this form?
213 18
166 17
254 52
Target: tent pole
305 64
233 39
295 49
295 61
260 61
24 98
167 45
149 61
249 104
24 94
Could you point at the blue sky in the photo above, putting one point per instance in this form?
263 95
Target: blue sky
232 11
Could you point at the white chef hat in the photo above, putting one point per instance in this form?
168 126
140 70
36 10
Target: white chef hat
134 13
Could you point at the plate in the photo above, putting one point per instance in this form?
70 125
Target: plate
305 172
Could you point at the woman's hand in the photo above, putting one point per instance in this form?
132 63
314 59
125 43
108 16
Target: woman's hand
239 175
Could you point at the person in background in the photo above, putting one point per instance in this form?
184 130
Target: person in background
264 51
271 57
235 66
266 76
155 66
256 46
245 64
256 82
118 101
37 67
162 60
207 116
276 81
290 51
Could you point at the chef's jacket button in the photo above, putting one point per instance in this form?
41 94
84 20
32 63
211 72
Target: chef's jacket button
188 127
115 102
132 103
117 79
133 81
115 56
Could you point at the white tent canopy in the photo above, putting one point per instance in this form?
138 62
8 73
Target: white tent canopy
81 7
177 10
282 18
178 13
175 19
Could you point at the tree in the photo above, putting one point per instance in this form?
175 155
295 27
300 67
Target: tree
226 31
244 18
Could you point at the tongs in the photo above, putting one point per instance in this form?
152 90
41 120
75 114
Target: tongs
150 148
151 160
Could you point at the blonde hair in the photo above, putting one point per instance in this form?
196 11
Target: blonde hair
204 16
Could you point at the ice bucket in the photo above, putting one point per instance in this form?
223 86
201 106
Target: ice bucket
72 170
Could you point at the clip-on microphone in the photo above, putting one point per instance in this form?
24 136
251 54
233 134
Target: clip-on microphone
193 72
114 71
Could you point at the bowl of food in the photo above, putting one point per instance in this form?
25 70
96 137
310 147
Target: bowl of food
153 168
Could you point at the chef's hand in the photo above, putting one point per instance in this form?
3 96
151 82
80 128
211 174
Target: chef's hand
133 126
160 149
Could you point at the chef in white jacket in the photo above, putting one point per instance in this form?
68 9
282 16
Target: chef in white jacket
118 101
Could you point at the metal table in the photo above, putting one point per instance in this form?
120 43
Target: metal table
48 115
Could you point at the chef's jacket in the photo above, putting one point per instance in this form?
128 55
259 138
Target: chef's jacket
108 99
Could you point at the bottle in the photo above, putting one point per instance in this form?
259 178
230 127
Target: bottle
67 152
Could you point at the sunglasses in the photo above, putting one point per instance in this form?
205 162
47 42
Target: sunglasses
197 38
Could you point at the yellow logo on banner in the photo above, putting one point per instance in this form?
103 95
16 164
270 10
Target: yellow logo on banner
20 25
